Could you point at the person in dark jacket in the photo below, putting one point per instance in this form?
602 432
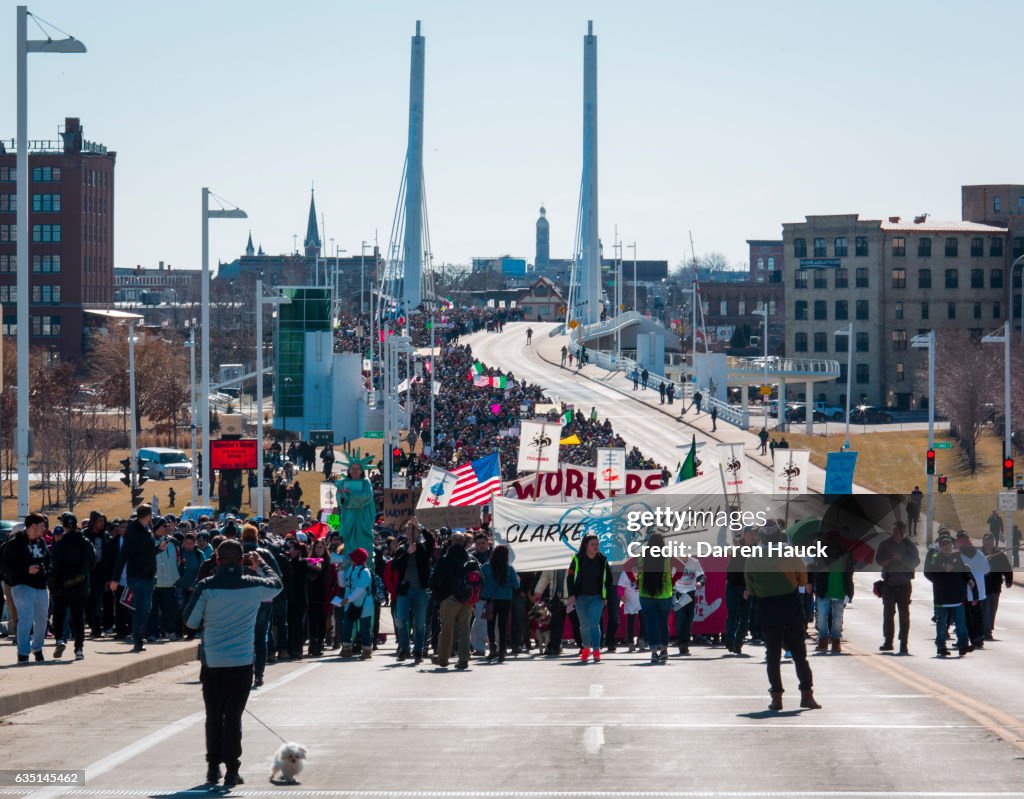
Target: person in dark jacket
999 574
589 580
296 571
737 601
898 558
26 568
950 578
138 558
73 558
116 614
96 534
456 614
411 567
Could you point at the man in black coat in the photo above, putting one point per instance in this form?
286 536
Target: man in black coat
96 534
950 578
73 558
138 558
115 614
411 567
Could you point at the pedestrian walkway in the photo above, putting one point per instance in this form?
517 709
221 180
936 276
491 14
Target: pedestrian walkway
107 662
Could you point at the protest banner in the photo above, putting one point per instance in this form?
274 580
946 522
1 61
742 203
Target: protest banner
572 482
397 506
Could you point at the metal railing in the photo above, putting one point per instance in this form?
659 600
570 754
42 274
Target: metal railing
599 329
821 368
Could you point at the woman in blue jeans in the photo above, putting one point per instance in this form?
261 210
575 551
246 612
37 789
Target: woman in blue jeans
589 580
500 581
655 572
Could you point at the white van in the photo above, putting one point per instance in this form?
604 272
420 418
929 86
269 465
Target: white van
161 463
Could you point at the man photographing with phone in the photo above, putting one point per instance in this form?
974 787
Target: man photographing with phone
224 606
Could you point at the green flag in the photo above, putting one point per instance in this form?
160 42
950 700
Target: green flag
689 467
566 418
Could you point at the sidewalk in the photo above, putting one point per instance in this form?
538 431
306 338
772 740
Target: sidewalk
107 662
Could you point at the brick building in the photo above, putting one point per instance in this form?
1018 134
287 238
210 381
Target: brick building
71 237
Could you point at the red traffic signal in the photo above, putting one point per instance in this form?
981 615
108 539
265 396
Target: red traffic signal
930 462
1007 472
943 483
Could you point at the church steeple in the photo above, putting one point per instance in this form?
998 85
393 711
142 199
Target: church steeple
249 251
312 241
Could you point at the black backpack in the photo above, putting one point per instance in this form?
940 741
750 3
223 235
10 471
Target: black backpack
469 582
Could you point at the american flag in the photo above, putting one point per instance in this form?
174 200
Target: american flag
478 481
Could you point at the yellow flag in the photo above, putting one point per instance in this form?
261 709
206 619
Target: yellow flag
573 439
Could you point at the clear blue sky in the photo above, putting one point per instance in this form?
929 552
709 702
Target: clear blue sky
726 119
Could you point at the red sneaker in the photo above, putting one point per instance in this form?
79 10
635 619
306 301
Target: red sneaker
584 654
597 655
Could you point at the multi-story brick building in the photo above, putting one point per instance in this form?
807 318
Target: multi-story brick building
891 280
71 237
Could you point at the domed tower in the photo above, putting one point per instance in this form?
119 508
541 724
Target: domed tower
543 257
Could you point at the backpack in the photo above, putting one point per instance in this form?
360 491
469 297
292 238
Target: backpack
469 583
379 592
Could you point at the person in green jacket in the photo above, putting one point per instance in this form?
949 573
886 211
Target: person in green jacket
355 501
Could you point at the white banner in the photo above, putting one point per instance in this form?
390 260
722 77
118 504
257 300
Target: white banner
437 489
571 483
734 464
328 496
611 468
538 446
790 471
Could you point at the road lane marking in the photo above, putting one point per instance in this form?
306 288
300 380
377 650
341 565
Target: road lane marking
136 748
511 794
783 724
593 736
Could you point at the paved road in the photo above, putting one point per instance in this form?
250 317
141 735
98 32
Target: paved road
695 727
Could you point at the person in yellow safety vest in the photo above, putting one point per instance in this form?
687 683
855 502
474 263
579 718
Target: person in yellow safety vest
656 573
589 579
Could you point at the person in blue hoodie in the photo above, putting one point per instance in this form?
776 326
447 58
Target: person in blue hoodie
500 582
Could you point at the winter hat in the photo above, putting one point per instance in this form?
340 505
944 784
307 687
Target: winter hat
359 557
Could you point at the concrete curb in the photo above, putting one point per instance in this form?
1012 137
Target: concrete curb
68 688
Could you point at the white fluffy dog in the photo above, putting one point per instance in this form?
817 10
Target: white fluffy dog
289 760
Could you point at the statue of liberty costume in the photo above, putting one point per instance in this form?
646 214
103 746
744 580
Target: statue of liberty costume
355 502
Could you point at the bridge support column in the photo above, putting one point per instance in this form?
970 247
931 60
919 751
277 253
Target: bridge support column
745 405
781 427
809 393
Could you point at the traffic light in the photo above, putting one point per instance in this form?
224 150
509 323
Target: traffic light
943 483
126 471
930 462
396 459
136 497
1007 472
140 478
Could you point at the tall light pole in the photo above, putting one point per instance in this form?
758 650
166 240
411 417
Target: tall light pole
848 332
1004 339
362 277
133 452
633 248
204 395
277 299
763 312
191 344
927 341
24 47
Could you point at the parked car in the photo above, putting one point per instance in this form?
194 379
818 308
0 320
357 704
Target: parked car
798 414
870 414
822 412
161 463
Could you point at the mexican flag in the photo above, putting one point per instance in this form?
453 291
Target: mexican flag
689 467
499 382
477 368
566 418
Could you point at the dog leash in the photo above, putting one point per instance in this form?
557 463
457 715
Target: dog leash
282 740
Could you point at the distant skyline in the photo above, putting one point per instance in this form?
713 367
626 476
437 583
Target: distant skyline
726 121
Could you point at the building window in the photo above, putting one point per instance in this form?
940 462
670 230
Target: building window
45 264
46 174
46 295
771 263
741 309
8 295
977 247
951 247
842 379
842 278
800 311
9 202
842 310
952 279
821 342
997 205
899 340
820 310
723 308
863 373
800 279
862 310
842 345
820 279
898 310
820 248
10 326
45 202
8 232
924 247
901 374
995 279
924 310
863 342
977 278
951 310
9 174
861 277
899 247
8 264
977 310
46 233
800 342
771 307
839 246
899 278
924 278
997 310
800 248
995 247
860 246
760 264
46 326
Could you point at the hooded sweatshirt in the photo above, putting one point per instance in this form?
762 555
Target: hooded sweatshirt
974 559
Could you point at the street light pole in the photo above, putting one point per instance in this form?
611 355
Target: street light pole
192 405
921 342
204 394
633 247
362 278
24 47
1004 339
848 332
132 443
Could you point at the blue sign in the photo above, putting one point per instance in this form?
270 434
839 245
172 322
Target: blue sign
839 472
819 263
